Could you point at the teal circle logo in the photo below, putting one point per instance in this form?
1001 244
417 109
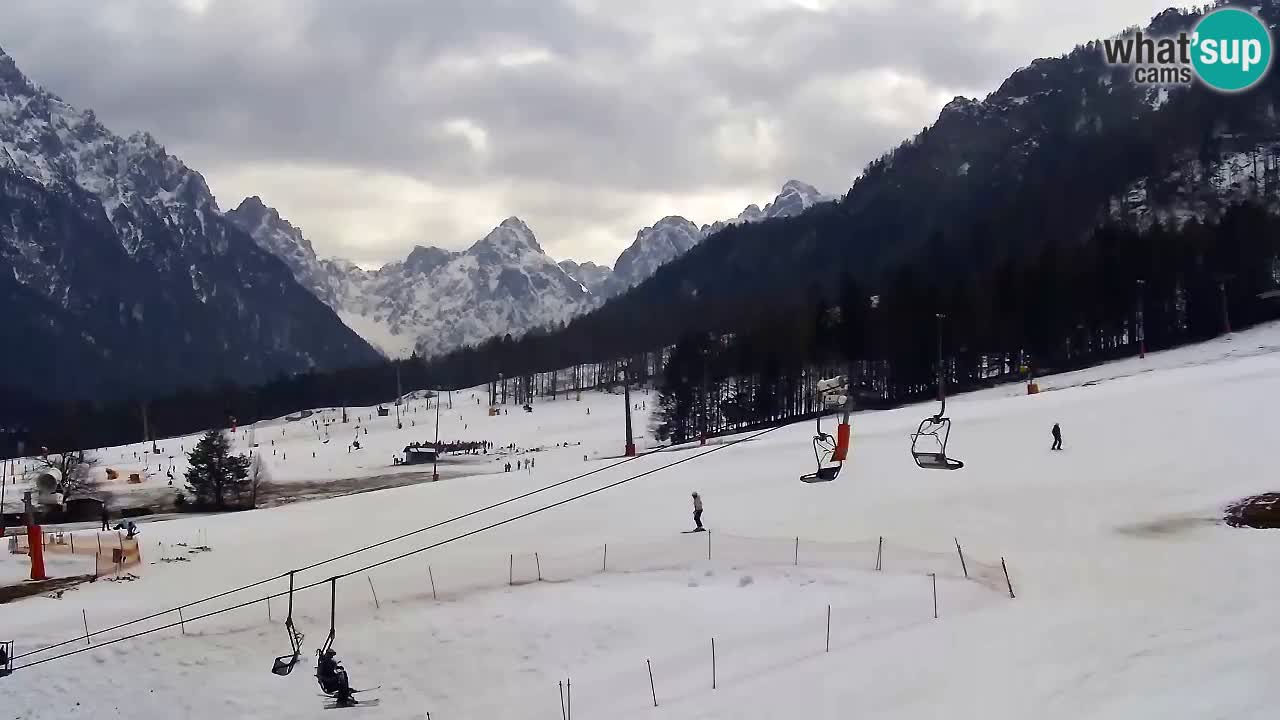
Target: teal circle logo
1231 49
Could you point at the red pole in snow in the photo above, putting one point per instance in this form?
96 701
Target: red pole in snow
35 540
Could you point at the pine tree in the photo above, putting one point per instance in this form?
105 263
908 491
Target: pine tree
216 476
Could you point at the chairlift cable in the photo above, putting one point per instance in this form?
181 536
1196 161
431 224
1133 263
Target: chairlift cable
411 553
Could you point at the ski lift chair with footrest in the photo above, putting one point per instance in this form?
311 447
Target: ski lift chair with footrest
284 664
830 453
6 658
929 441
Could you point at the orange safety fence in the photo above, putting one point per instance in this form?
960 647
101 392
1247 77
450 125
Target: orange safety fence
112 552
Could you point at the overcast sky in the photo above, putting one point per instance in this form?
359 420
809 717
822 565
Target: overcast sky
380 124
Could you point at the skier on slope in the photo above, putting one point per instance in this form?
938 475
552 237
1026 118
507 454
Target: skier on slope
1057 437
697 513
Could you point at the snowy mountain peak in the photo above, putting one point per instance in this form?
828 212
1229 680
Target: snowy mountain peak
424 260
654 246
272 232
154 253
795 197
511 235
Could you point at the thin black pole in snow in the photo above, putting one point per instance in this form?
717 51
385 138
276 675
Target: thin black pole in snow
713 663
797 562
708 544
828 628
651 687
433 583
563 716
85 616
962 565
375 593
934 576
182 623
604 564
1006 577
269 608
538 562
568 686
879 551
511 570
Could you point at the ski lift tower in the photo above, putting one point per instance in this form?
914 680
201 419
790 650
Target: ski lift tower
1141 328
1222 280
630 448
435 469
399 394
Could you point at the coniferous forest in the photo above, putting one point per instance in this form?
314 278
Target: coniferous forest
1064 307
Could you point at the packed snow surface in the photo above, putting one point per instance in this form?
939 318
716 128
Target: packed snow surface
1132 599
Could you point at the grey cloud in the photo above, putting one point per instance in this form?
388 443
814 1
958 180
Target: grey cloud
628 99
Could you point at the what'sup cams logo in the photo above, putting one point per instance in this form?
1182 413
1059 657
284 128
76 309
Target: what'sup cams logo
1229 50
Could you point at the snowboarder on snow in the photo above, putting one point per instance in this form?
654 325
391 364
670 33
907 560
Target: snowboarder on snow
333 678
697 512
1057 437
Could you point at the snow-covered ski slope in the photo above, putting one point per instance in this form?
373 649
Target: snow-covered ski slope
318 449
1132 601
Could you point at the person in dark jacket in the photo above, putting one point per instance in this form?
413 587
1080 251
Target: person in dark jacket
697 512
106 518
333 678
1057 437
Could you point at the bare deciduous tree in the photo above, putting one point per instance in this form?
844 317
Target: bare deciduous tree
76 471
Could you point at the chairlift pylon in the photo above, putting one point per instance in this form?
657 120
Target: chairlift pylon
830 452
929 441
284 664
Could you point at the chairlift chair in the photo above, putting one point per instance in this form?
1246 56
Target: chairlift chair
337 686
6 658
830 452
929 444
284 664
929 441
